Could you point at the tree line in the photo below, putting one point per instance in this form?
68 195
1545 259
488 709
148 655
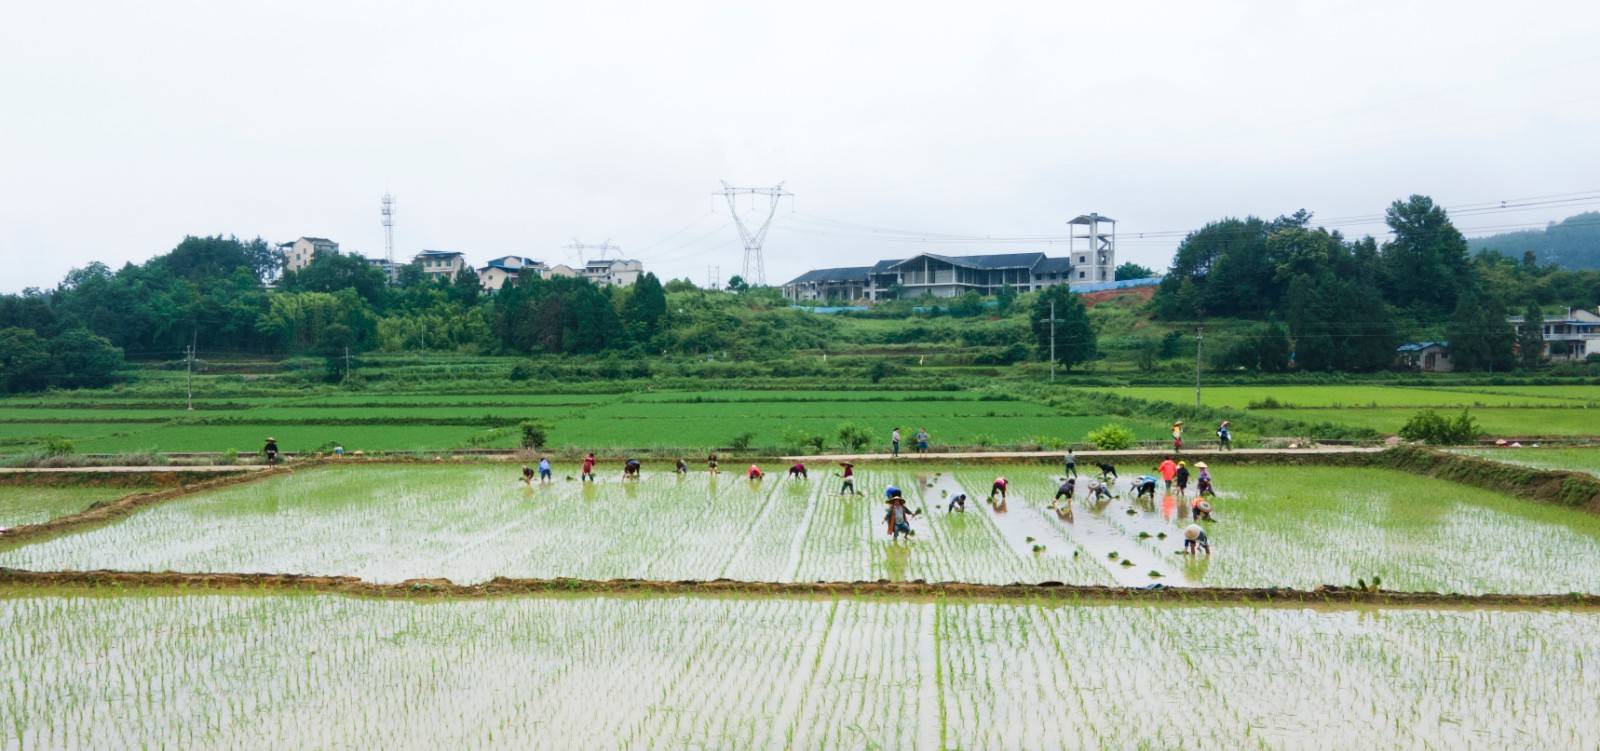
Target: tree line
223 295
1325 302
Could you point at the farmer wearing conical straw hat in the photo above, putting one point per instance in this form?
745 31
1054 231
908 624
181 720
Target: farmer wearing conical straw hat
1194 538
1177 435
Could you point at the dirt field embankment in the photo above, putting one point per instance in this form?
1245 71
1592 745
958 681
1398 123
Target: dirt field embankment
444 589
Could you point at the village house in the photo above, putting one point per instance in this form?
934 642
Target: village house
441 263
1570 337
1432 357
494 274
300 253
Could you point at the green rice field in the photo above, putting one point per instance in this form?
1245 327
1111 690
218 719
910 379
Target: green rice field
1575 459
1499 410
134 670
639 420
1277 526
29 504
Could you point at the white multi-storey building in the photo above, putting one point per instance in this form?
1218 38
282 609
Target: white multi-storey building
300 253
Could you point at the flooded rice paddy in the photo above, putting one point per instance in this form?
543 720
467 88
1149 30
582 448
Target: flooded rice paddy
1276 526
149 669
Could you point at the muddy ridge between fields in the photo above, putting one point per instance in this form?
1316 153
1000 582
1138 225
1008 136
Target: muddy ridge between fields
444 589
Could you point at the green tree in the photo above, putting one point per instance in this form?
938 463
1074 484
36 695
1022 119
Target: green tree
1339 324
332 272
1132 270
82 359
737 284
1074 334
24 360
465 288
1530 337
645 309
1425 266
1480 338
1005 299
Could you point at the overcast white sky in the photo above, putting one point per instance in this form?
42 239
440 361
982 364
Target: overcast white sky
514 128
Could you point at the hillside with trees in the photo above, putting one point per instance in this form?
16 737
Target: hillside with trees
1572 243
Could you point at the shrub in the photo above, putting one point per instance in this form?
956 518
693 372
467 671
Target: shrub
534 435
1433 428
742 441
522 371
229 457
853 436
983 439
801 440
57 446
1111 437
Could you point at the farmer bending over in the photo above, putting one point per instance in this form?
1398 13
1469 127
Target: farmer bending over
630 470
999 487
1194 539
682 468
1144 485
1099 491
527 476
1068 485
958 503
1201 509
753 474
798 470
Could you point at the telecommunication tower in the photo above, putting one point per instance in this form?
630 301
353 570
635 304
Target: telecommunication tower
388 226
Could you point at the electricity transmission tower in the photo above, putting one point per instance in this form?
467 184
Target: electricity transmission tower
755 269
388 227
603 249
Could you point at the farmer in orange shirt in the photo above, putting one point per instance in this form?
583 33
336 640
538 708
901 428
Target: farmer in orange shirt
1168 470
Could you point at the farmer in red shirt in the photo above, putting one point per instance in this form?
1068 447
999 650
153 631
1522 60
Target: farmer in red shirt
1168 470
588 468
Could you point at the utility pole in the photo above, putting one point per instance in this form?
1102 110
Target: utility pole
1053 321
1199 340
188 354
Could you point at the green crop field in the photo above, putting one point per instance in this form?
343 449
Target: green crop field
697 421
1366 395
1278 526
1577 459
283 671
1493 421
30 504
1499 410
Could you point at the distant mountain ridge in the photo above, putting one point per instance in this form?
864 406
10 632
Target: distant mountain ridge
1572 243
